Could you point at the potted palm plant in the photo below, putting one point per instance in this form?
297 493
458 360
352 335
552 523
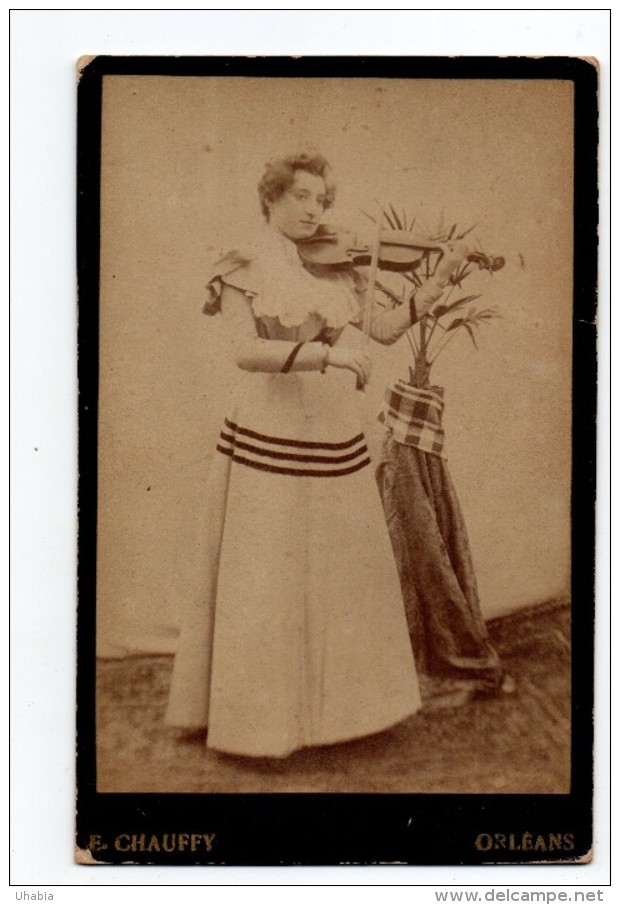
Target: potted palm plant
457 313
428 532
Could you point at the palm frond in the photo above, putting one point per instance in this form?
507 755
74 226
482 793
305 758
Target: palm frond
412 277
397 219
370 216
448 307
471 334
486 315
466 232
389 220
460 274
426 341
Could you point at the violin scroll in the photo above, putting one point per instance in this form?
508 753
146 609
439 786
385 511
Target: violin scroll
486 262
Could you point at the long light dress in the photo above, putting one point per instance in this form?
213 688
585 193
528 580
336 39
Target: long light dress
299 635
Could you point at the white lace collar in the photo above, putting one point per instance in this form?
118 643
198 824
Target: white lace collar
292 295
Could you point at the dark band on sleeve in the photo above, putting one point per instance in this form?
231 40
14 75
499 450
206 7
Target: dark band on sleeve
412 309
288 364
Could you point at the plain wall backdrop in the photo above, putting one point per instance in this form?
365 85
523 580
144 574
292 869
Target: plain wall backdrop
181 160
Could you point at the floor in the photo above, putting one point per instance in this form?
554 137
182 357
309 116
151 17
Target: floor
517 743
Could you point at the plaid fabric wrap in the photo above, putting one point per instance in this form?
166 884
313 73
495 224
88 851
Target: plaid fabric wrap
414 416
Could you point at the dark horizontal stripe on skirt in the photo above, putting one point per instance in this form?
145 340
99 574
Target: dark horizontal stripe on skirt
300 444
296 472
293 457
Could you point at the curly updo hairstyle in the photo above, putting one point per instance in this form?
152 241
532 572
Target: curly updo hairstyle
279 175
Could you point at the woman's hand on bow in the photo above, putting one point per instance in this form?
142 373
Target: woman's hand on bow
355 360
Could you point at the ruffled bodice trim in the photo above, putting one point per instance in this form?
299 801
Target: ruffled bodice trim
273 278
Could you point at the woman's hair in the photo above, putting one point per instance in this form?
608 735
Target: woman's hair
279 175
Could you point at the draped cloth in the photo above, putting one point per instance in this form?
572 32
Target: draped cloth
413 416
438 581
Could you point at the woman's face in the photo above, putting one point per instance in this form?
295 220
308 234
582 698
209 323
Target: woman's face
297 213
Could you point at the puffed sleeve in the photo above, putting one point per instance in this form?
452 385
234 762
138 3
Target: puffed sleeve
236 269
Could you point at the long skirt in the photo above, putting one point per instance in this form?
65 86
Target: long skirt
298 635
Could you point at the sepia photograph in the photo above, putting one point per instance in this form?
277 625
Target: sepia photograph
337 425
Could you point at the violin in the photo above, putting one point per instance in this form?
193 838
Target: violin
399 251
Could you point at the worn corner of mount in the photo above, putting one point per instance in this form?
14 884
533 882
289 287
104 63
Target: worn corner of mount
592 61
83 62
84 856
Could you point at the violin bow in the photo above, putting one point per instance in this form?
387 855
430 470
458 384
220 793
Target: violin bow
372 276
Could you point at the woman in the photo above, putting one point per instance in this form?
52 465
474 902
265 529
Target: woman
299 636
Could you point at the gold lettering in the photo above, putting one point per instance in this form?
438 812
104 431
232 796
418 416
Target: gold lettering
119 843
569 842
500 840
138 843
183 840
209 837
539 845
555 841
526 842
171 842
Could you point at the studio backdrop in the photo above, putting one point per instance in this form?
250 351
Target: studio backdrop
181 158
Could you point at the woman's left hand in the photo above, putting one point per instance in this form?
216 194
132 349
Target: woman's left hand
455 253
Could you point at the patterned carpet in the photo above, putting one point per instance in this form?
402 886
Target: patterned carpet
515 743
